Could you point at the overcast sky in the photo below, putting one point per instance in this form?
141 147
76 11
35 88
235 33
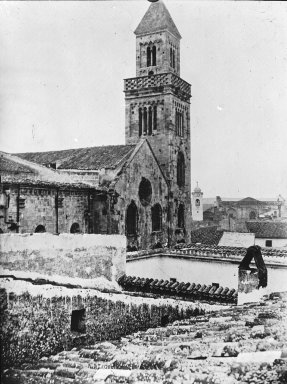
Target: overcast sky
62 66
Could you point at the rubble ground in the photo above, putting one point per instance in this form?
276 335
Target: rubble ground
239 344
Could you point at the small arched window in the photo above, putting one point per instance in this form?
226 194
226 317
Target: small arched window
145 191
140 122
173 59
145 122
155 118
148 57
131 219
75 228
180 216
156 217
180 170
150 121
197 203
40 229
154 55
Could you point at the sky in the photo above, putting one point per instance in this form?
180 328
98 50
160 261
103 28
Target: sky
62 66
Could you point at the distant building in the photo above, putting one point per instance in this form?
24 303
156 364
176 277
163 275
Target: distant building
232 214
271 234
197 204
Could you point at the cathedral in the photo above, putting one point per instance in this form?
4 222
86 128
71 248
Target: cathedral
141 189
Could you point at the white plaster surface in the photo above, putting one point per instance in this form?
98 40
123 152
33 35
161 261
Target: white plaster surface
86 256
276 243
252 297
258 357
44 241
200 272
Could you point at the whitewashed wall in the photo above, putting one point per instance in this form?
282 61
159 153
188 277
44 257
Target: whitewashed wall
86 256
200 271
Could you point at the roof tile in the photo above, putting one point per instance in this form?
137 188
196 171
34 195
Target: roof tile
268 229
92 158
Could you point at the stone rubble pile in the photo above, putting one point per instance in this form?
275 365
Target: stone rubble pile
243 344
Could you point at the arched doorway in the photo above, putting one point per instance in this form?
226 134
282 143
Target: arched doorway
40 229
252 215
156 217
132 219
75 228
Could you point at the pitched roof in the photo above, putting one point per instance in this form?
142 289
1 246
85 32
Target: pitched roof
11 166
92 158
16 170
268 229
157 18
248 200
237 239
207 235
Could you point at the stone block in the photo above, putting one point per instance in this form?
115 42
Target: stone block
258 357
248 287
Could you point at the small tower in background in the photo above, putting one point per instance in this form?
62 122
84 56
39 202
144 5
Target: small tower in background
197 204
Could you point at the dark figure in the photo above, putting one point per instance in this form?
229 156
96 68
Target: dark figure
255 252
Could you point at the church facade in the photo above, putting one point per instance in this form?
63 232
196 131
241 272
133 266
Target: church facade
140 189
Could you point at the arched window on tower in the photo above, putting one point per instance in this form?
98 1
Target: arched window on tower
140 122
155 118
145 121
150 121
180 216
197 203
154 55
173 58
179 123
156 217
180 170
131 219
148 57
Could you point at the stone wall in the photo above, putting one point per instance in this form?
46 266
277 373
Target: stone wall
84 256
38 207
37 320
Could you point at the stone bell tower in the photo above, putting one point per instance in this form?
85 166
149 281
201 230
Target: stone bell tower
158 109
197 204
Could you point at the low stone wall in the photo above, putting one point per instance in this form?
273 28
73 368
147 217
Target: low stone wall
37 320
85 256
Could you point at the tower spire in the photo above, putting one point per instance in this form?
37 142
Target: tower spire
157 19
